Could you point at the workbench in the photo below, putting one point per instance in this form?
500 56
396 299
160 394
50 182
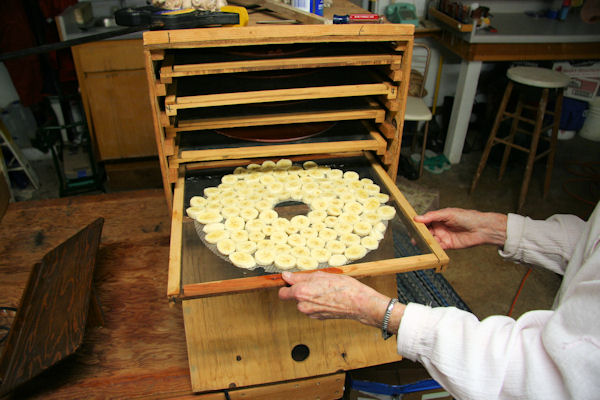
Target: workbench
518 38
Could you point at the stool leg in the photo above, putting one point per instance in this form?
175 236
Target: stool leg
533 148
490 142
423 148
510 138
553 141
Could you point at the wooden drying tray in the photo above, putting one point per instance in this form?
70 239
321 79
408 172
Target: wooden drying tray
183 257
301 87
367 109
332 141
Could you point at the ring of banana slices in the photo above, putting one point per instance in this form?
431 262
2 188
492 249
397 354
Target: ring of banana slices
237 219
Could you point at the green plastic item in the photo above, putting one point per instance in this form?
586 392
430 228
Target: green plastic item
401 13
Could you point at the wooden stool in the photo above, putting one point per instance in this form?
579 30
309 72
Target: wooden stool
536 77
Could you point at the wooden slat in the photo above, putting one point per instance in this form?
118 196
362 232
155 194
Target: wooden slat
166 69
359 270
410 213
277 150
173 103
174 282
278 64
329 387
276 119
254 35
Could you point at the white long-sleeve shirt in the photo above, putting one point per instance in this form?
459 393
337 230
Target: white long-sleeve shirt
547 354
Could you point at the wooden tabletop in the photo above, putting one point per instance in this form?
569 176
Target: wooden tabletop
141 350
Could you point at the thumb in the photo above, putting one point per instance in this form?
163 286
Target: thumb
289 277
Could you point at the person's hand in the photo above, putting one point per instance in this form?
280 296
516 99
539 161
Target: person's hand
324 295
455 228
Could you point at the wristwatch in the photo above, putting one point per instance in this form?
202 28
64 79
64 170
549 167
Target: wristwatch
386 319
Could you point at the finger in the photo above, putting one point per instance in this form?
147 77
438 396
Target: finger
431 216
286 293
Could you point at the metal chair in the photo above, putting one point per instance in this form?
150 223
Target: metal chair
416 109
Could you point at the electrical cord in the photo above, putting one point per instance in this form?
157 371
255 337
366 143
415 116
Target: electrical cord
512 306
586 172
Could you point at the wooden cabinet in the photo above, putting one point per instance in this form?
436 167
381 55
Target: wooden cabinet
227 97
114 90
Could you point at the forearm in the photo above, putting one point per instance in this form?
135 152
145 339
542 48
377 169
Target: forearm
494 228
373 308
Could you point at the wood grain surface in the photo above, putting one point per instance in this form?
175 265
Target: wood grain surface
140 352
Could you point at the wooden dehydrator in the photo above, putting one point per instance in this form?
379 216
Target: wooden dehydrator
227 97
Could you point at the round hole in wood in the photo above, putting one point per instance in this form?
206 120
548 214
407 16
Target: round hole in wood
300 352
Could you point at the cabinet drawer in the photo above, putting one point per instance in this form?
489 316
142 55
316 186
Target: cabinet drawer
110 55
196 271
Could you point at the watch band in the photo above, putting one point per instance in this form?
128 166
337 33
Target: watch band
386 319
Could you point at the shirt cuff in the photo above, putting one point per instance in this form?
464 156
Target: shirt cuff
515 225
415 326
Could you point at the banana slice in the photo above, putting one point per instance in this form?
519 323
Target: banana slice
335 174
284 261
267 229
253 167
211 192
310 164
245 203
296 240
355 185
296 195
213 205
330 221
284 163
282 248
355 252
380 227
267 179
371 217
337 260
362 196
268 216
228 212
255 225
310 187
197 201
315 243
263 204
318 226
369 242
320 254
372 189
239 171
335 247
336 203
382 197
334 211
254 197
214 236
265 244
255 236
316 173
319 204
348 218
293 184
316 215
238 235
328 234
249 213
281 223
371 204
377 234
351 176
242 260
226 246
300 221
353 207
208 217
235 223
264 256
230 179
310 197
247 246
216 226
306 263
362 228
291 229
300 252
309 232
343 227
350 239
193 211
386 212
366 181
279 237
276 188
268 165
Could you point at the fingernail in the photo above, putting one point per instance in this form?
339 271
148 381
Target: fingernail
286 274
